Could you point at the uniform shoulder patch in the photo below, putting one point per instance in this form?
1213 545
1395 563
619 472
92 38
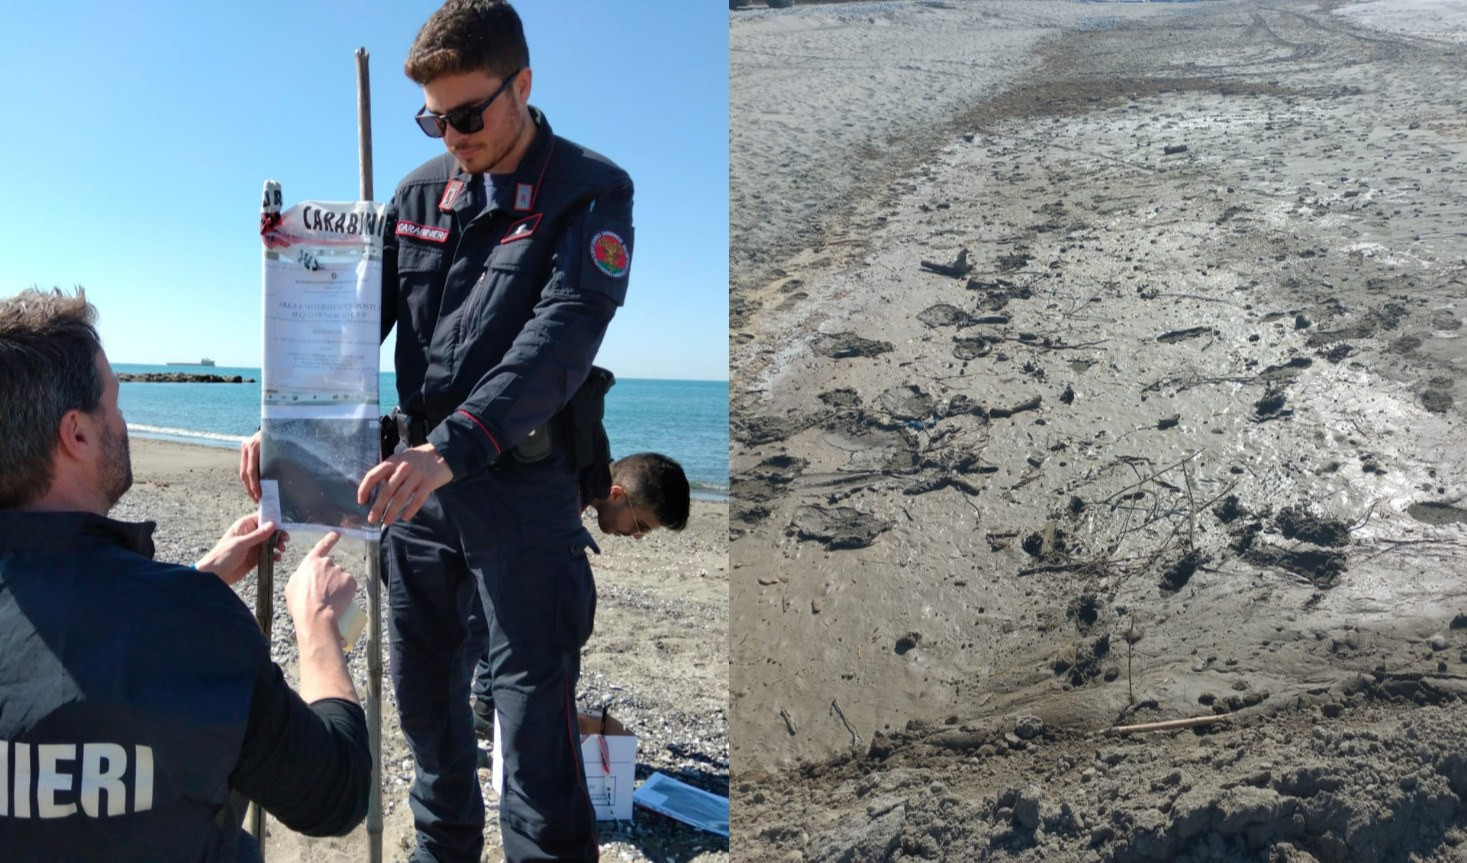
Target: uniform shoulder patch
609 254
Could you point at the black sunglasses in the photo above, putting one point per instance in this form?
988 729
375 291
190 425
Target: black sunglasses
466 120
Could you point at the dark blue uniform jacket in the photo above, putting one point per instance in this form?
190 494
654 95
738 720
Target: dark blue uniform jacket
139 707
501 291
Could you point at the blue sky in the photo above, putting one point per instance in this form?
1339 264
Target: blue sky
138 135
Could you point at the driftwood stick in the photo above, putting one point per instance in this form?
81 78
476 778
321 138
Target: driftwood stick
1169 724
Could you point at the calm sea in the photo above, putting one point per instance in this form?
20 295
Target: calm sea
687 420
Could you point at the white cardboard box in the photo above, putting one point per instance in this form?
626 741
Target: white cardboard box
610 780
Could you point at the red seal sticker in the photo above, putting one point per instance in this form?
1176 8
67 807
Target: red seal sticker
609 253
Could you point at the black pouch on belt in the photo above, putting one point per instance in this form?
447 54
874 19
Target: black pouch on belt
535 447
582 416
389 435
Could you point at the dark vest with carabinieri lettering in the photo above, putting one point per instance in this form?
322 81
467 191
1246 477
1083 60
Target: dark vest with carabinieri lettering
125 690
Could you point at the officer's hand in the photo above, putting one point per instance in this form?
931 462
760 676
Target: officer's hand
249 466
406 480
319 590
238 551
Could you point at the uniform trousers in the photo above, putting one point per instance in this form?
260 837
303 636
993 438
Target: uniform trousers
535 583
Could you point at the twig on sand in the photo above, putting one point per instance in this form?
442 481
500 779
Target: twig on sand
1153 476
1202 298
1396 544
1062 567
1191 509
1169 724
789 722
836 711
1366 517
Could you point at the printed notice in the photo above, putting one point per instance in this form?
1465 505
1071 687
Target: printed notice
322 329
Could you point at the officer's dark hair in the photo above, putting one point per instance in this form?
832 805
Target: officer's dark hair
48 366
652 479
468 36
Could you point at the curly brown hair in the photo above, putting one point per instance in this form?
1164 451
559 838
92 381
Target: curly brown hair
468 36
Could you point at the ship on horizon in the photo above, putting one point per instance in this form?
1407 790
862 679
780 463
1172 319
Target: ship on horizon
205 361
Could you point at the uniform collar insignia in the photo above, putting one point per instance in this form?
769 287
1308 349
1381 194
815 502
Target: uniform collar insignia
522 229
451 194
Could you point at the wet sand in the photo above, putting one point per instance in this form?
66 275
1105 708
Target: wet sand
659 652
1167 431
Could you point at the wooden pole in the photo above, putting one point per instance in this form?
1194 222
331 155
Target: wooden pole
265 571
264 616
374 557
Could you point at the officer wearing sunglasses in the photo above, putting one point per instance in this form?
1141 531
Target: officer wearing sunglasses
505 259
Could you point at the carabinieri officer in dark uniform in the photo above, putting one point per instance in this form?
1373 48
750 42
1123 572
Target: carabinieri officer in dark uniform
505 260
139 707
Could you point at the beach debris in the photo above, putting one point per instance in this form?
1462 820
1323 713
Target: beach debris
972 347
753 490
1316 566
1176 576
1173 149
841 398
958 405
756 430
840 528
1286 370
1270 405
1168 422
1085 611
1044 542
957 269
1027 405
1016 261
1170 724
841 715
1083 661
1405 344
941 482
1296 522
1437 401
945 315
839 346
1188 333
1438 512
1230 510
1001 286
908 402
1029 727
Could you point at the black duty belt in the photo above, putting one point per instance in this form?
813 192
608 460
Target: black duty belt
413 430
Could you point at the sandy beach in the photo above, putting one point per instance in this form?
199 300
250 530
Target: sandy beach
659 653
1093 365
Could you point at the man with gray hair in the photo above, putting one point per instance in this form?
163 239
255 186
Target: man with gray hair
139 707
